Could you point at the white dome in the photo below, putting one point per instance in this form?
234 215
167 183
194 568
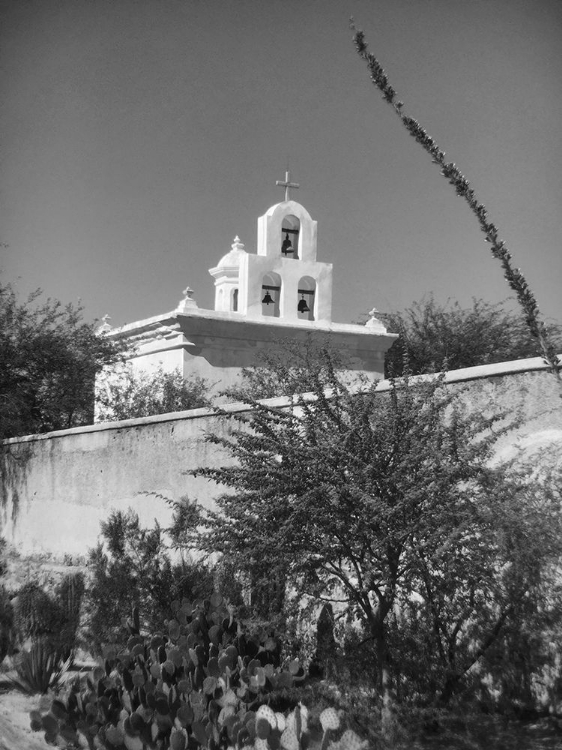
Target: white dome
234 257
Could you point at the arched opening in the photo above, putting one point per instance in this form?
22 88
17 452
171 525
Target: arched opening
306 298
234 301
290 231
271 295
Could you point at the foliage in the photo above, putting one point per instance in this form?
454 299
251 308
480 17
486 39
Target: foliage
48 361
522 670
128 395
6 609
45 627
51 620
283 370
37 614
202 683
70 594
449 170
3 557
132 567
6 623
438 337
39 667
385 503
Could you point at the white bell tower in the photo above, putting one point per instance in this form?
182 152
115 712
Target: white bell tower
283 280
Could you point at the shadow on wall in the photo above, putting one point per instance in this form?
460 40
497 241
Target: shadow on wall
14 468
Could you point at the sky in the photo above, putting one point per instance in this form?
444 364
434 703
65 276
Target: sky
140 136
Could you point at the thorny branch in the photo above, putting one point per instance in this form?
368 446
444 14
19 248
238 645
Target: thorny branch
449 170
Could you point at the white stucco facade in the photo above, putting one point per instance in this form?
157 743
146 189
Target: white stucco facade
280 294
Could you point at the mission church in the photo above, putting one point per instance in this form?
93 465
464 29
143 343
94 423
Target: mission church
279 295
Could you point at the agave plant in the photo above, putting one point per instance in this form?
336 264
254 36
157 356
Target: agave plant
39 668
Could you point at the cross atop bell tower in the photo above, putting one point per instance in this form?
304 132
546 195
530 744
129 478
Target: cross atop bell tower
287 184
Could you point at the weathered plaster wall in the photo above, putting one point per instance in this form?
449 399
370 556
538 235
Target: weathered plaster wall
56 488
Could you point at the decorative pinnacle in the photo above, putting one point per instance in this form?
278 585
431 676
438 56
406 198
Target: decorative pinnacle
105 326
376 325
188 302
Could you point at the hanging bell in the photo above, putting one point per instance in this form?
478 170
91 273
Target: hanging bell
287 246
302 307
267 299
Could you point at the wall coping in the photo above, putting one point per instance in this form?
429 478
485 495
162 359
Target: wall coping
465 374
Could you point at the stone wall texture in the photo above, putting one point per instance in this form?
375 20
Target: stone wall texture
57 488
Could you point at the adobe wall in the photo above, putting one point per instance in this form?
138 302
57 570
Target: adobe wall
58 487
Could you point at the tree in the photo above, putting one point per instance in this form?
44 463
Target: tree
385 502
128 395
132 567
463 189
49 357
438 337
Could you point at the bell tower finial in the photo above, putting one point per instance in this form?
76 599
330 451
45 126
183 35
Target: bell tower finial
287 184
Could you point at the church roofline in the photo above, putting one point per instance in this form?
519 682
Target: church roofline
174 319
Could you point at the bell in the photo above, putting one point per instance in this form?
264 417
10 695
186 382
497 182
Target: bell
267 300
302 307
286 247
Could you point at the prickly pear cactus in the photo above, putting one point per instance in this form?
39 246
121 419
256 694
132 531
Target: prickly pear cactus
199 684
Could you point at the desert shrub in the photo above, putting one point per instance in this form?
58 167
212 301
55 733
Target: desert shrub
448 336
132 567
45 627
53 618
520 675
124 394
3 557
389 503
6 609
202 682
37 614
69 595
6 623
